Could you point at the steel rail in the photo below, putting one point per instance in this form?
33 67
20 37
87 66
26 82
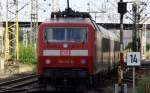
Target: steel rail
16 80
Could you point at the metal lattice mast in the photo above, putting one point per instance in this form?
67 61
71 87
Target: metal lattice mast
1 29
12 31
34 21
24 30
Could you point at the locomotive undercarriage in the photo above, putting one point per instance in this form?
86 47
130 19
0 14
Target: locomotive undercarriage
64 79
74 79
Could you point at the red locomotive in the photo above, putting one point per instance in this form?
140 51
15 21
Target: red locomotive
74 51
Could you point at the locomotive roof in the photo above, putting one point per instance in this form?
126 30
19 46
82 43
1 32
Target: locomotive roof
69 20
69 15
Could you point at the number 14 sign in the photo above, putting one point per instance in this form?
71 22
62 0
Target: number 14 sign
133 59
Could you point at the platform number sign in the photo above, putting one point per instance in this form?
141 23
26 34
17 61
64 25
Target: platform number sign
133 59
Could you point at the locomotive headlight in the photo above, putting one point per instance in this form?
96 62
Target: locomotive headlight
83 61
47 61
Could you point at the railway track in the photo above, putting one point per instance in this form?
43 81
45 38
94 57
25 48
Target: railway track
22 85
17 85
140 72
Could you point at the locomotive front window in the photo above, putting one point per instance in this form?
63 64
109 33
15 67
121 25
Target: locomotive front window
55 34
66 34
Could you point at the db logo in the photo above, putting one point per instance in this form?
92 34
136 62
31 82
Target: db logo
65 52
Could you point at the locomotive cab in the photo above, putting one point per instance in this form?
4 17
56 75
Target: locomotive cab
65 51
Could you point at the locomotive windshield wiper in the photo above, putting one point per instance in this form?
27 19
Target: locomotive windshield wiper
46 41
45 36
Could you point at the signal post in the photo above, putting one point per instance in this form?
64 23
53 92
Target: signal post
120 87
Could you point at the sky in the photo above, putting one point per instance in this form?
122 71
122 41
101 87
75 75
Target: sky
107 9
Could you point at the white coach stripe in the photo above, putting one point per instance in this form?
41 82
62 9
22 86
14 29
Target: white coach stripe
79 53
51 52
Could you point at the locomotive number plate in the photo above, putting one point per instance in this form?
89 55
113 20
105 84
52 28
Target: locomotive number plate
65 52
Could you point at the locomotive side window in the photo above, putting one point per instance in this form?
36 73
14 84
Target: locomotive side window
66 34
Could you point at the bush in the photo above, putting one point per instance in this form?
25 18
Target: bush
142 84
27 55
147 47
